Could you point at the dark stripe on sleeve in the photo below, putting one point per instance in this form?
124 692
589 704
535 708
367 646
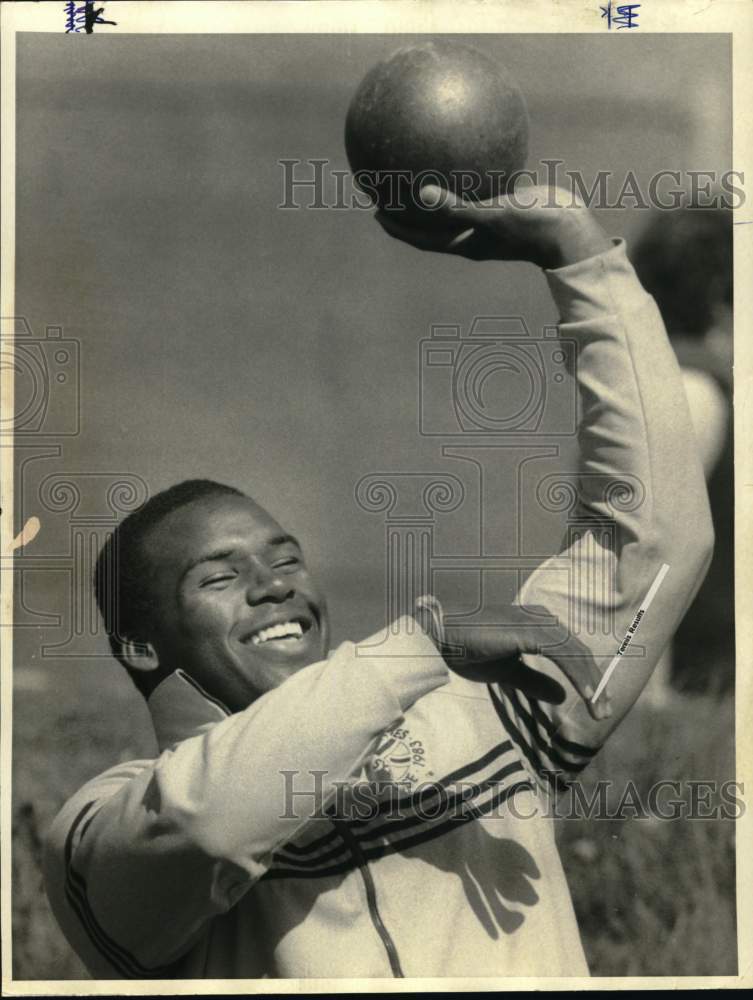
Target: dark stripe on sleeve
76 896
568 746
75 891
394 847
550 776
476 765
462 772
453 799
527 719
72 832
395 826
299 861
312 845
474 812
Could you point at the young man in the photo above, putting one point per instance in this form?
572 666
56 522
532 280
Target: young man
213 861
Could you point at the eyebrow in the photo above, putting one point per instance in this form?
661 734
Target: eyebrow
218 554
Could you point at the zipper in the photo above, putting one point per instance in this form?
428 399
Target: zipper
355 848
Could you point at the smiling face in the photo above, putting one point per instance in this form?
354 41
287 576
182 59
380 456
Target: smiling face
233 603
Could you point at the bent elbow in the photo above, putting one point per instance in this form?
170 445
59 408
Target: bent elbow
708 539
686 546
693 548
208 835
704 545
698 538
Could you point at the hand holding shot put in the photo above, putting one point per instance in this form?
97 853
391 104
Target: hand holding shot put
539 224
443 110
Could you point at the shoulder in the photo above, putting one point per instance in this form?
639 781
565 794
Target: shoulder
83 805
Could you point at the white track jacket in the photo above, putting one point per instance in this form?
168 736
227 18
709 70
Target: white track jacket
209 862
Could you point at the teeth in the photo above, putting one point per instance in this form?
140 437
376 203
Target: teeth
285 630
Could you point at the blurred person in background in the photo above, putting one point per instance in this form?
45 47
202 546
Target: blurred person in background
684 259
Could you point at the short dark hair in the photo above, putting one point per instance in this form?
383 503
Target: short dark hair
123 566
684 259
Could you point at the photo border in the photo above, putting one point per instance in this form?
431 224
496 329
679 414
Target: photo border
406 17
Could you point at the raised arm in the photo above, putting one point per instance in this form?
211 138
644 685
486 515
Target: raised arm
641 489
641 492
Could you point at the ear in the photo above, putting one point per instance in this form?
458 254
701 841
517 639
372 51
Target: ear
140 656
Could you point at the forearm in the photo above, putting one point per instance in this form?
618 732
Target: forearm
641 494
323 719
635 426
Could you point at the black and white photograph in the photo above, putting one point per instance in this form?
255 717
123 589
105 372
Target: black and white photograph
374 469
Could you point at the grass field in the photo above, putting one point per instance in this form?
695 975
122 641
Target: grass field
653 897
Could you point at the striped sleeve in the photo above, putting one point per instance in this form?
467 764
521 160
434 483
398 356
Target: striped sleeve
105 955
552 760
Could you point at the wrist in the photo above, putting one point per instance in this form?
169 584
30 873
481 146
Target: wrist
577 237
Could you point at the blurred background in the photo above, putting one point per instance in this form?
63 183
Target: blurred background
186 326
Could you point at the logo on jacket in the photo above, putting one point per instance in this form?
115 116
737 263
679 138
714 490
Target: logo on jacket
398 758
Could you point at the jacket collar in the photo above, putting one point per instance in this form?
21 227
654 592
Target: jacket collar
181 708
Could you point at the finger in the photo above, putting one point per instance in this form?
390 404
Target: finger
453 646
583 660
423 238
446 204
392 227
449 224
531 682
575 659
584 675
430 237
512 671
577 663
460 243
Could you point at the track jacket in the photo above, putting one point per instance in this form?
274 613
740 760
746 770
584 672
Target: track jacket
377 815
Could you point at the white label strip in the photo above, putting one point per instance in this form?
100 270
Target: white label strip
632 629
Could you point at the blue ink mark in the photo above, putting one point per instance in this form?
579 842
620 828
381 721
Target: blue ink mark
83 16
626 16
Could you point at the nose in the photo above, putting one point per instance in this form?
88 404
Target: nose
268 585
